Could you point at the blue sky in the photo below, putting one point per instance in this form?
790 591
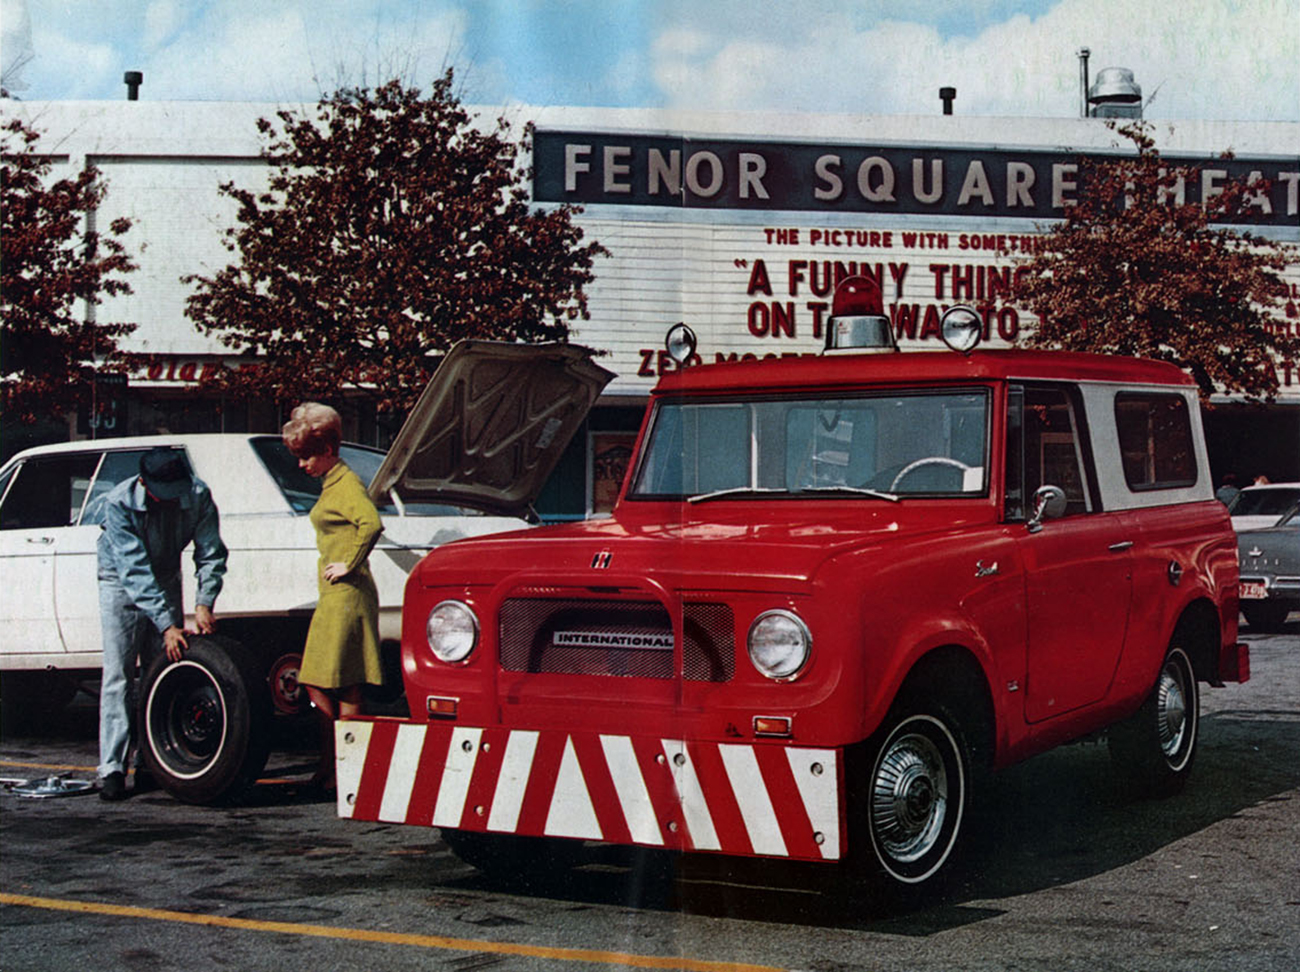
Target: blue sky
1198 59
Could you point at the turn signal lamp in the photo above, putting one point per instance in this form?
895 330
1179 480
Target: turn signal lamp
858 321
773 726
441 708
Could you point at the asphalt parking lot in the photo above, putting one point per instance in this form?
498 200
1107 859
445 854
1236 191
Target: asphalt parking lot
1072 873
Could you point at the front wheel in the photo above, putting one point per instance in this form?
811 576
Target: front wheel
1155 746
515 858
913 803
205 720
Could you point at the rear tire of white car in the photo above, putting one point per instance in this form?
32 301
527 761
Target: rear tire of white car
204 720
287 694
1154 748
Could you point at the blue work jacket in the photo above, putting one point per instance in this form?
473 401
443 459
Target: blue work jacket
141 544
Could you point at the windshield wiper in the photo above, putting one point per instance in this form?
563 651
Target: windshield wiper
858 490
732 491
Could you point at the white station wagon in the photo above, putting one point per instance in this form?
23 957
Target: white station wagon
204 719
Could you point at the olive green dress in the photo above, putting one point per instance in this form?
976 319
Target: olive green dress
343 641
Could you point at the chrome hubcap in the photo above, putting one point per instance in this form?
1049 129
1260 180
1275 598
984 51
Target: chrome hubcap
909 798
1171 711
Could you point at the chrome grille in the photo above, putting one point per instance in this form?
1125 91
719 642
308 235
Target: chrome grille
623 638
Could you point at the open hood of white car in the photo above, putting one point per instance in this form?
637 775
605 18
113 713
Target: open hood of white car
491 425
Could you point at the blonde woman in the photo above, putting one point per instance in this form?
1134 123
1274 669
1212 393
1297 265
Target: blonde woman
342 651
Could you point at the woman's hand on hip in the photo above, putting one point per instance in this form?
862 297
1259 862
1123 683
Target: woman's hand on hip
336 572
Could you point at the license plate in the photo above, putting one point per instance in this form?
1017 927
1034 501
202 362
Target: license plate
1251 591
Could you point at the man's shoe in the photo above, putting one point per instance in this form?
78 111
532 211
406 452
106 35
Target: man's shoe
113 787
143 782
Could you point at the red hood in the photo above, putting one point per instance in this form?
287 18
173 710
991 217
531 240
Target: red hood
737 546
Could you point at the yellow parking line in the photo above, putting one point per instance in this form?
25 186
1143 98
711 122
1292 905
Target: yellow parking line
47 766
389 938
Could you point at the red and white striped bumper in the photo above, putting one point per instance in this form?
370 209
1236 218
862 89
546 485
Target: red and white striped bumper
749 799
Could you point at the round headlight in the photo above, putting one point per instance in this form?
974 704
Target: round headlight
961 328
779 644
452 630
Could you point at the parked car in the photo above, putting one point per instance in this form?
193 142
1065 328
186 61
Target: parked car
1262 506
833 594
1270 572
204 719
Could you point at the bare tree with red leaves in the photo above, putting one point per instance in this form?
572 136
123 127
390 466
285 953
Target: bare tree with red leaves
1132 270
52 258
392 228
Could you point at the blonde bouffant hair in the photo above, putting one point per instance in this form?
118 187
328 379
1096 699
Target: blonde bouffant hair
313 429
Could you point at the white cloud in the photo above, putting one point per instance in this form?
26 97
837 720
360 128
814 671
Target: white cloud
236 50
80 69
161 18
1209 58
15 43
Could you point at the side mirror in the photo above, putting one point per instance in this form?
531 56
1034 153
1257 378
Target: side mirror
1049 503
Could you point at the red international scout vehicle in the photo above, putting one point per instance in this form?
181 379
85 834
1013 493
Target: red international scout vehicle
835 592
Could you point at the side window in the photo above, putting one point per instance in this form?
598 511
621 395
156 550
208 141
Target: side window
48 491
1155 440
116 467
1045 448
4 480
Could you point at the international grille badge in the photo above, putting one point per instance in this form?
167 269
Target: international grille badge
601 560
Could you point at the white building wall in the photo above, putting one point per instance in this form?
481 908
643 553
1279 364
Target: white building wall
164 161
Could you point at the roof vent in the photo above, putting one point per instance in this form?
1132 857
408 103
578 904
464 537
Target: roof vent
1115 94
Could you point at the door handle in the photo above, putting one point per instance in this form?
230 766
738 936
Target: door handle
1120 547
44 541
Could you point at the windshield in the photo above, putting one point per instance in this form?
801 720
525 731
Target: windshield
302 490
1272 501
903 444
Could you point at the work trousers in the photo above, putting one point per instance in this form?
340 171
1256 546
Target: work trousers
128 635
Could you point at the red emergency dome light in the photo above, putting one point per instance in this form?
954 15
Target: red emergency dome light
858 321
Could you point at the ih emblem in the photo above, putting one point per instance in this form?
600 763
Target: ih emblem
601 560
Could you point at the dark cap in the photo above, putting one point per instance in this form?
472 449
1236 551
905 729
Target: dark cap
165 473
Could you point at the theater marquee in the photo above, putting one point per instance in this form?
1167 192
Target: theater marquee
593 168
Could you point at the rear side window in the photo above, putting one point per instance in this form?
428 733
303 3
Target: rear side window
117 467
1155 440
47 491
302 490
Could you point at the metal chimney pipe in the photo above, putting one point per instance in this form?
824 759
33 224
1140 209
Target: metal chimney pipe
1084 54
133 81
948 96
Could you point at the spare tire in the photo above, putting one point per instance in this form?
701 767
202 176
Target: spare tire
205 720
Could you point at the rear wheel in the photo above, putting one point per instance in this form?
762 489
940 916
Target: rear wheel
1266 615
287 694
1154 748
205 720
911 808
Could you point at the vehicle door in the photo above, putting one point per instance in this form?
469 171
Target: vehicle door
1078 567
76 561
42 500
